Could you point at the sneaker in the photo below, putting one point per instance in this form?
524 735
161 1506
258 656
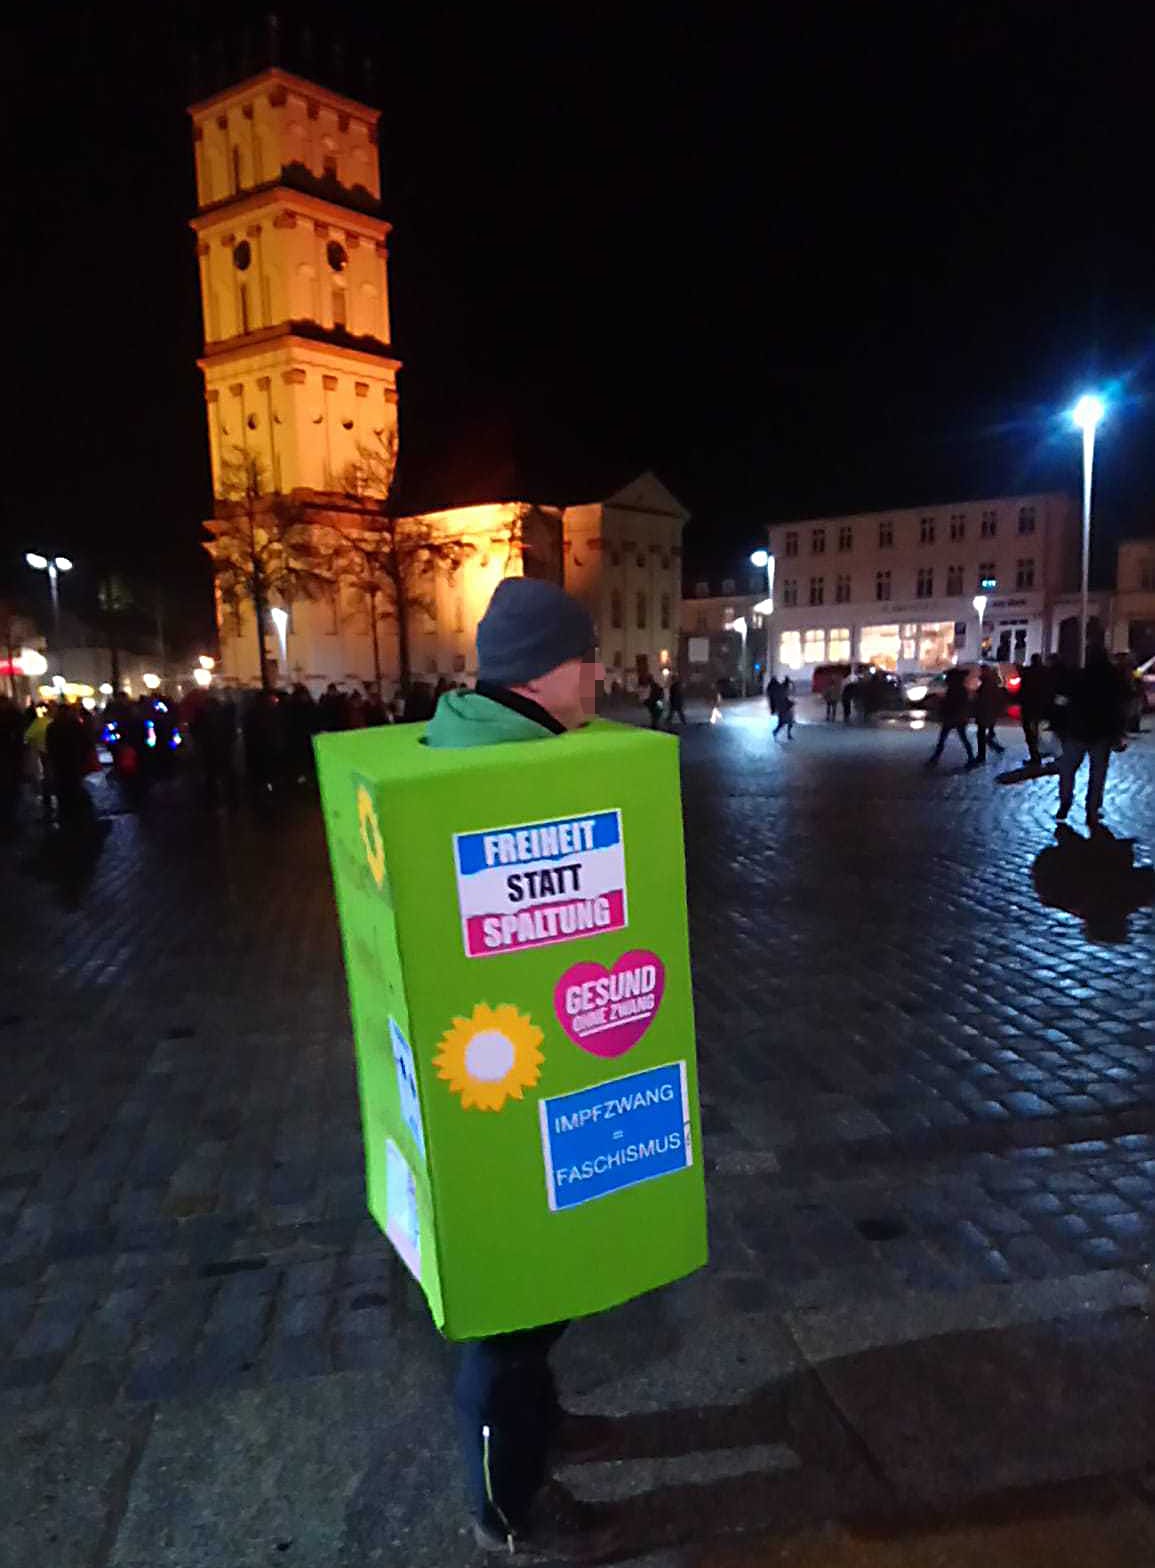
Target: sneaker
561 1529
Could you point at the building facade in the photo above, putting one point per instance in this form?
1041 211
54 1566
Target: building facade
897 588
623 561
1133 608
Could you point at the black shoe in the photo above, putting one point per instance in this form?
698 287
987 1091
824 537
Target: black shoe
560 1529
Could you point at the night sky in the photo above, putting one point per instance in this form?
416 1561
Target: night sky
810 259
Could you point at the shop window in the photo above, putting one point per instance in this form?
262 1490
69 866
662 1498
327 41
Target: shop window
790 650
838 645
935 644
814 646
879 645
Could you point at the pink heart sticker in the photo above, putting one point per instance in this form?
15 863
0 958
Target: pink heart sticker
607 1012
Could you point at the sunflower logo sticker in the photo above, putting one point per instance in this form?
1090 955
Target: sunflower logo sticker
371 838
490 1057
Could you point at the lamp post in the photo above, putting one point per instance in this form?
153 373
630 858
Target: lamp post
980 603
53 565
1086 416
765 607
738 624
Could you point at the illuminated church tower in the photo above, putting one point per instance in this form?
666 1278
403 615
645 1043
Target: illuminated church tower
299 375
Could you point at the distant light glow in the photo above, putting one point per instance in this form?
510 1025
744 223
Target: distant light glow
764 607
38 563
105 689
760 558
1088 412
58 683
151 681
203 678
206 663
917 693
30 661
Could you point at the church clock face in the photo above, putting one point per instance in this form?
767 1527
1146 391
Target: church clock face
242 256
335 254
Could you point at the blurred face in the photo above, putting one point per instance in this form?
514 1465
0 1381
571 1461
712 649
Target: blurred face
568 693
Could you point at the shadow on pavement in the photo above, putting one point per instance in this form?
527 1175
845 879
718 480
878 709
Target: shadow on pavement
1095 878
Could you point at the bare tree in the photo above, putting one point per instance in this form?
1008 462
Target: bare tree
264 547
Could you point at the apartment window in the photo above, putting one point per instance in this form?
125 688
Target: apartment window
1026 519
329 164
1025 572
846 538
791 546
1147 576
881 586
842 588
665 612
641 611
924 588
728 585
958 526
616 610
987 576
236 169
990 524
926 530
817 590
244 307
886 534
954 579
790 592
818 541
641 560
339 316
701 590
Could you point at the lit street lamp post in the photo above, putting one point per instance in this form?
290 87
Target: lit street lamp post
53 565
765 608
980 603
1086 415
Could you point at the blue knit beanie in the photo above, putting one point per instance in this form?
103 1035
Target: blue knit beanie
530 628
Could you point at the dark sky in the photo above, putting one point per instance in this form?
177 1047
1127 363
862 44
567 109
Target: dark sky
798 259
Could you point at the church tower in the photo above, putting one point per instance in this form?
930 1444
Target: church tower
294 280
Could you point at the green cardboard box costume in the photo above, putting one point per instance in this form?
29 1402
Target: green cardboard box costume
514 924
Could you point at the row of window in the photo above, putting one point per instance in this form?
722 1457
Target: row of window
927 531
924 586
641 611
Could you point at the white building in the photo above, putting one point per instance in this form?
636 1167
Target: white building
896 588
1133 610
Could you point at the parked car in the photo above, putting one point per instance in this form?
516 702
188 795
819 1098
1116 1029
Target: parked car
825 675
925 692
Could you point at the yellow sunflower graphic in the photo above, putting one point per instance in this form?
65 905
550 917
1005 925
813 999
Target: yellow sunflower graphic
371 834
490 1057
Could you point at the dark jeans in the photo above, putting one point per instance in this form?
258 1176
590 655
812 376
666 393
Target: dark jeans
987 737
507 1408
952 728
847 704
1074 751
1031 736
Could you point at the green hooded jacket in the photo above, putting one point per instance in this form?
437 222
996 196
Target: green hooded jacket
473 718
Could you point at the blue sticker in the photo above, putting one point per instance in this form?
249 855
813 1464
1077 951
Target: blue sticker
617 1134
407 1086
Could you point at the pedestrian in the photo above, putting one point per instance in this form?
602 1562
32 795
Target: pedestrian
834 696
302 721
356 711
849 691
70 754
1096 722
536 679
773 695
376 713
785 709
333 710
675 702
11 761
988 705
654 701
953 716
1032 705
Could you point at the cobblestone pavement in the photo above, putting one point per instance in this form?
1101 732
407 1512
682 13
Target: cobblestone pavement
928 1116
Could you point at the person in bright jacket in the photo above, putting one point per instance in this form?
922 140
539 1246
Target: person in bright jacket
536 680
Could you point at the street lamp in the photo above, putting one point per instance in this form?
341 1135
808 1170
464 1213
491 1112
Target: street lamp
739 625
151 681
53 565
980 603
1086 416
765 607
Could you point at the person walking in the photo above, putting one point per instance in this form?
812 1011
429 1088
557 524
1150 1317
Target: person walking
834 696
953 718
675 703
11 762
988 706
536 680
1032 705
773 695
785 709
1096 720
849 689
654 701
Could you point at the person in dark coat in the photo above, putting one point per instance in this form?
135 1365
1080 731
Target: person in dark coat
988 706
773 695
1095 728
1032 705
655 700
953 717
69 749
676 702
332 710
11 761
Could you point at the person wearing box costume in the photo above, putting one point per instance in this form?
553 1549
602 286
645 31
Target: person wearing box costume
531 1136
